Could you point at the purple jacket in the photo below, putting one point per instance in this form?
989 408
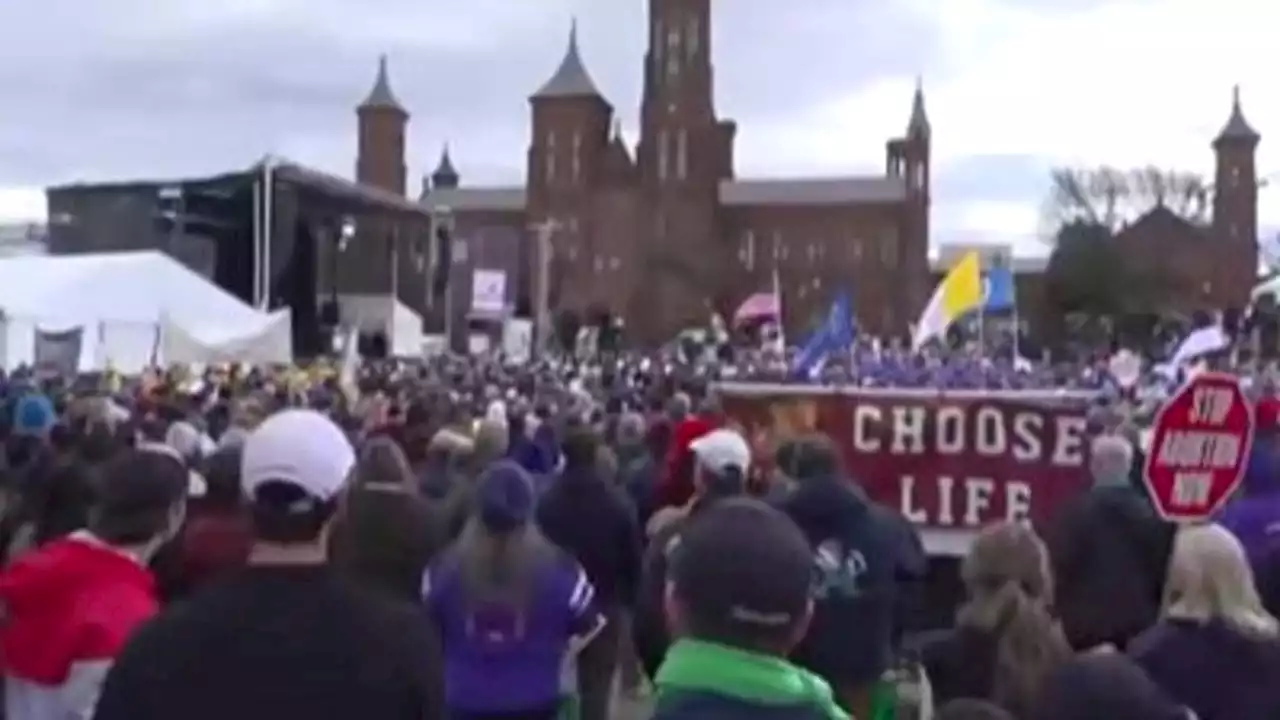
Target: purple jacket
1212 669
500 659
1254 517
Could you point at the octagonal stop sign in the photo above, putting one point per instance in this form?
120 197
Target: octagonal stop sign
1199 447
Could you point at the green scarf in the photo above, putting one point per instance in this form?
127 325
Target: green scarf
698 665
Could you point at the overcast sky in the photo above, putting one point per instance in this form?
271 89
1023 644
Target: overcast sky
115 89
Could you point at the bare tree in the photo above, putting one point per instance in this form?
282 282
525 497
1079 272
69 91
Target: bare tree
1110 197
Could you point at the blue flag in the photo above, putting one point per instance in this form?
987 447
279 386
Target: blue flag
834 335
998 289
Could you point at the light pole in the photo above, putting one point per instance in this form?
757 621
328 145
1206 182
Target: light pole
346 232
542 232
442 225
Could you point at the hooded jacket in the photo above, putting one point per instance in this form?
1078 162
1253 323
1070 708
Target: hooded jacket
858 555
594 522
70 606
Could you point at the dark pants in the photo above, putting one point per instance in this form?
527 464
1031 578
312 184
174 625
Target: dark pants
597 664
855 698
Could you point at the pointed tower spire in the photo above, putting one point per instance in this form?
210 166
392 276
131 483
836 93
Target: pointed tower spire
445 175
381 97
618 142
1237 128
571 79
918 125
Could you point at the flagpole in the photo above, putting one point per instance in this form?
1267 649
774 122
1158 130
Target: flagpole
777 296
982 328
1017 332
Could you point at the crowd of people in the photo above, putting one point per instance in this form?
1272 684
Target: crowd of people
487 540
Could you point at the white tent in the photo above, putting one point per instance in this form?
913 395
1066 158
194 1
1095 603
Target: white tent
121 302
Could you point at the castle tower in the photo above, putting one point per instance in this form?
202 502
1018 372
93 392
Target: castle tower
445 175
1235 207
382 122
570 126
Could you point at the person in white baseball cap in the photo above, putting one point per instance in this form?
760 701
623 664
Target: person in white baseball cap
722 455
288 617
294 467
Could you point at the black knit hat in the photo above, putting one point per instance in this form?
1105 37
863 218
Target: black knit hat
742 572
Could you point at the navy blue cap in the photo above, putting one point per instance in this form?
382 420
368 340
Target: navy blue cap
504 496
742 568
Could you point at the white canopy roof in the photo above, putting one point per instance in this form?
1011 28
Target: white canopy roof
114 295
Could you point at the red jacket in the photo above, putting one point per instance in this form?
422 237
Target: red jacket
676 486
69 608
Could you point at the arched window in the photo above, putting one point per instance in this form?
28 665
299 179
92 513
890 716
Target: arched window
682 154
551 156
577 156
664 150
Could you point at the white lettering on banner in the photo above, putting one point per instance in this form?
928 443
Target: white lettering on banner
950 422
946 515
1069 449
908 430
988 431
990 436
977 498
974 500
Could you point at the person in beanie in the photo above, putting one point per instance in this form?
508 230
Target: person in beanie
739 598
508 603
287 637
33 416
70 606
721 461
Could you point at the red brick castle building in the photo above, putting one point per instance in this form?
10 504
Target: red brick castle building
661 231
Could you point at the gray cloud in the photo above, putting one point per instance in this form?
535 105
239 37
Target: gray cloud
136 88
995 178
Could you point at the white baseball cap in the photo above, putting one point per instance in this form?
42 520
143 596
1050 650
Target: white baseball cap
720 449
301 448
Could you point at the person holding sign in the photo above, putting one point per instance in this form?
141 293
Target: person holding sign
1254 515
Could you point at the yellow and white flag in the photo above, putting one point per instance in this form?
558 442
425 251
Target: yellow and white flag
959 292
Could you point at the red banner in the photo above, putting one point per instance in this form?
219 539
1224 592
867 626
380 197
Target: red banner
945 460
